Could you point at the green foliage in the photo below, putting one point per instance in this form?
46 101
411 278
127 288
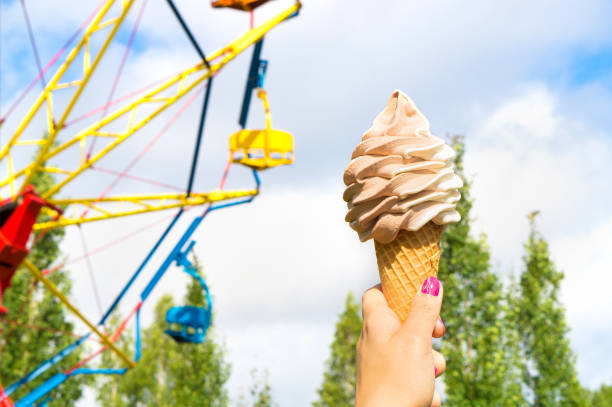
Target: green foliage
512 342
170 374
549 370
479 344
602 397
338 388
264 396
36 327
260 391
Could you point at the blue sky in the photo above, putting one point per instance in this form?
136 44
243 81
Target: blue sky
590 67
530 86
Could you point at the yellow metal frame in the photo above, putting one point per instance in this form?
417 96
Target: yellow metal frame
38 275
183 82
137 204
54 126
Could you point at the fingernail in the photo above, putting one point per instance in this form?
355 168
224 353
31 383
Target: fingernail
431 286
443 326
435 371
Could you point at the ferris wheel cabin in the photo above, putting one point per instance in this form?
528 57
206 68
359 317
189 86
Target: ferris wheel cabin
263 148
188 324
244 5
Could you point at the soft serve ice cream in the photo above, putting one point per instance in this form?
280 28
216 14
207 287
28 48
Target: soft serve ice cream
400 176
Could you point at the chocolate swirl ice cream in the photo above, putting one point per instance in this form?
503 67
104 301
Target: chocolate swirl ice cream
400 176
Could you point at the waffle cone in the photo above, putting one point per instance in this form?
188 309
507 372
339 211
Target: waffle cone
405 263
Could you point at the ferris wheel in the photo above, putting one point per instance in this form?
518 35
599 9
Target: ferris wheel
73 146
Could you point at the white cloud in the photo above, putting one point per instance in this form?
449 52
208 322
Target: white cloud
293 257
531 116
271 346
585 258
562 174
280 267
516 170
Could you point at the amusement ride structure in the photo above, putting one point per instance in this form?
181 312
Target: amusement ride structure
27 213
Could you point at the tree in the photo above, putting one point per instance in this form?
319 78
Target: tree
263 395
479 370
200 370
549 370
260 391
512 343
602 397
171 374
338 387
108 386
36 326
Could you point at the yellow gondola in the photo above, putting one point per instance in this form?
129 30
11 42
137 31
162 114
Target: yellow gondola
262 149
244 5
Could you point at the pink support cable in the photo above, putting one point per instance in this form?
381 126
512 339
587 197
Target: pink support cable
128 47
137 178
33 43
113 339
146 148
106 246
128 95
118 100
39 328
115 242
51 62
225 173
221 184
90 270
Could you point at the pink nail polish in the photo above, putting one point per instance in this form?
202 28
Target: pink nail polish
431 286
435 371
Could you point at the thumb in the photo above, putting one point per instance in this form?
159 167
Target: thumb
425 309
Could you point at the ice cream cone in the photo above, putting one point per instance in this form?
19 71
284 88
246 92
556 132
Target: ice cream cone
405 263
401 188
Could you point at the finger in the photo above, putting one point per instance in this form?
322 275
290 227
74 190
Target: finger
425 309
375 309
437 400
439 363
439 329
372 299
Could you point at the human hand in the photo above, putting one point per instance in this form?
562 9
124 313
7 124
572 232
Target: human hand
396 364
